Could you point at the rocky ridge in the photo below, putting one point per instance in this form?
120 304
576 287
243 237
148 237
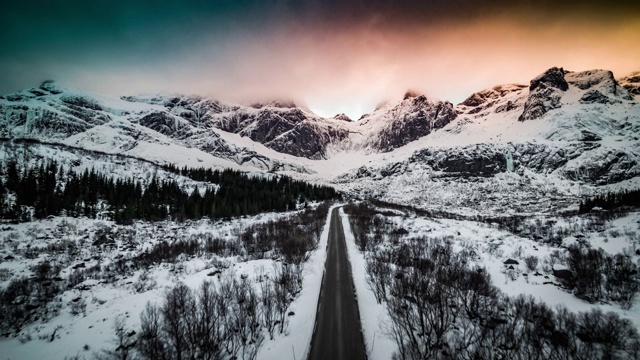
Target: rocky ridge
577 127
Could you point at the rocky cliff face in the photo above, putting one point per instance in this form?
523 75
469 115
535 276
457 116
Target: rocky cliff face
47 112
545 92
395 125
279 125
631 83
580 161
601 86
288 130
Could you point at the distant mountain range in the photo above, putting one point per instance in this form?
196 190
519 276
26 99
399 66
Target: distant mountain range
579 129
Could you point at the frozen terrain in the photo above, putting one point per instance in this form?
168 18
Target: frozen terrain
499 178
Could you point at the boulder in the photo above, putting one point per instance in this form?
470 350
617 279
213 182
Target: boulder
564 274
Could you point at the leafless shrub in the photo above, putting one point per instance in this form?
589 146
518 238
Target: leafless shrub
531 262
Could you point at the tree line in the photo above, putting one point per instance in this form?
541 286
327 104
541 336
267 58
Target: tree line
611 200
48 189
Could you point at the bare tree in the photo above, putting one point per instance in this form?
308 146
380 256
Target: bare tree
150 343
268 304
210 331
178 302
125 342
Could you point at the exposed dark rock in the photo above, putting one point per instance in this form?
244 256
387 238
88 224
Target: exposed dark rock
590 136
553 77
343 117
291 130
631 83
564 274
606 168
409 120
161 122
545 93
484 160
595 96
506 107
539 102
81 102
587 79
284 104
51 87
37 92
410 94
307 139
494 93
511 262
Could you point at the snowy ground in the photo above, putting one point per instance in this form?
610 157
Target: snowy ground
490 247
88 332
298 340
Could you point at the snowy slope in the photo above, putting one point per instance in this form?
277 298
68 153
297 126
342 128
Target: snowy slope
541 147
565 135
57 115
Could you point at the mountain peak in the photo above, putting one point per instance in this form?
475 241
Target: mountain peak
553 77
51 86
277 103
411 94
494 93
343 117
631 83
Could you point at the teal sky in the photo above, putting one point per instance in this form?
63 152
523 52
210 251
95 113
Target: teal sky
339 56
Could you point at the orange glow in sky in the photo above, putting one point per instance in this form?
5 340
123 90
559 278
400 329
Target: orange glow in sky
344 59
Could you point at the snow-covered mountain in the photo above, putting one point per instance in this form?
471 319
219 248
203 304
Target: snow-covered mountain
564 135
396 124
279 125
542 146
149 129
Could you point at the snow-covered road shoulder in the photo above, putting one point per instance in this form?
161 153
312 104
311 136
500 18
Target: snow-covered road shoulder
372 314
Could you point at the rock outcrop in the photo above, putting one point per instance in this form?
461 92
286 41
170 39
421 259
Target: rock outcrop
631 83
395 125
545 92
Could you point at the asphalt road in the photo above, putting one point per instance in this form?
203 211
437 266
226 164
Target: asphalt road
337 334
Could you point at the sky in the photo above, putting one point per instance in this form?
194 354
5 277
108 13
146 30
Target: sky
334 56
